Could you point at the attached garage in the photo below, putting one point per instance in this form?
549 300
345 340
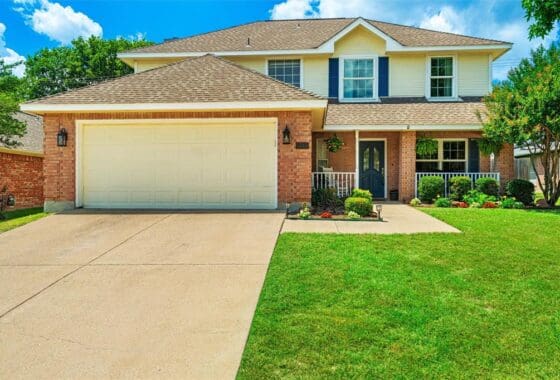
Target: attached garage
177 164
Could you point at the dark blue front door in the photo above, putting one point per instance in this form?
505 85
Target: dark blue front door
372 167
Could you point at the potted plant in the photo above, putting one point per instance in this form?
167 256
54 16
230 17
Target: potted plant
334 143
426 147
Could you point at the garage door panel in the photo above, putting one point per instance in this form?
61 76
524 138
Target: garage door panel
179 166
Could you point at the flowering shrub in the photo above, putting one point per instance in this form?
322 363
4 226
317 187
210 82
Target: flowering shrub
353 215
460 204
415 202
304 213
326 215
489 204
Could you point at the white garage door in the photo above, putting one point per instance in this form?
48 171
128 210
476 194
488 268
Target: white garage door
205 164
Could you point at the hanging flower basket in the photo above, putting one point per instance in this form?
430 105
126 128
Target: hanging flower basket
334 144
426 146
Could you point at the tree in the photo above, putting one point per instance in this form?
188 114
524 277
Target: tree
525 111
10 128
9 83
544 13
84 62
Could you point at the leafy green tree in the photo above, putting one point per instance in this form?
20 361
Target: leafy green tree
84 62
545 14
10 128
9 83
525 111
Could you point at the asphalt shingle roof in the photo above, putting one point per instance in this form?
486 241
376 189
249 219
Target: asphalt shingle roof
32 141
416 111
302 34
195 80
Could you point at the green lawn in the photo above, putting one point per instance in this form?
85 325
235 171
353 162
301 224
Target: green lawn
20 217
485 303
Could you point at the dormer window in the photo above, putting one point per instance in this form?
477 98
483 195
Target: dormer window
286 70
357 82
441 78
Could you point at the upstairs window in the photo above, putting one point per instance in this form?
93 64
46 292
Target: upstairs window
358 79
285 70
442 77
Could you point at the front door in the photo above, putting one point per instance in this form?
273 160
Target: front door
372 167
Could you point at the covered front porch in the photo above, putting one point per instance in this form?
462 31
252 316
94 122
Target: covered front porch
386 163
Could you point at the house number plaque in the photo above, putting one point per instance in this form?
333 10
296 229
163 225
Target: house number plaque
302 145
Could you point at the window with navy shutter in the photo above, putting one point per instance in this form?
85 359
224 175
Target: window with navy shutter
333 77
383 81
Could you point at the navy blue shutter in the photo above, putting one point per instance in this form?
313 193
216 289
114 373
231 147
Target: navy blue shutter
333 78
383 89
474 156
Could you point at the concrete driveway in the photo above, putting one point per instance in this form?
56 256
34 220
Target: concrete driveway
131 295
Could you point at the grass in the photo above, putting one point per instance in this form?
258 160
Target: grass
20 217
485 303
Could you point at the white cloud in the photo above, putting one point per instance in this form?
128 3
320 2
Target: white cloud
446 20
10 56
499 20
59 23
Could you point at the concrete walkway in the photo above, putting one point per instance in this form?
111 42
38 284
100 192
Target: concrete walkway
397 219
141 295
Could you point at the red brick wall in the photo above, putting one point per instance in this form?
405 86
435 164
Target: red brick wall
24 177
294 165
407 165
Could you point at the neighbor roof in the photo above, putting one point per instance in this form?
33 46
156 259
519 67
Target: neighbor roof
406 112
203 79
32 141
302 34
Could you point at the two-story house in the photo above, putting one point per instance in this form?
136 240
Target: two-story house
244 117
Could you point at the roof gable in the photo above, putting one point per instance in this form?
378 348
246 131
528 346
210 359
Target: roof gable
307 35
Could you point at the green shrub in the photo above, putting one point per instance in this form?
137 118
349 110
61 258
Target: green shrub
304 213
415 202
507 203
326 199
361 206
522 190
518 205
488 186
430 187
460 186
361 193
353 215
443 202
475 196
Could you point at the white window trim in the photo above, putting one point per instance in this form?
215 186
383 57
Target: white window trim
300 59
341 60
440 160
318 141
454 82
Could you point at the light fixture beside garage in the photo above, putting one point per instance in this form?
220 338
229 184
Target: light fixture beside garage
62 137
286 138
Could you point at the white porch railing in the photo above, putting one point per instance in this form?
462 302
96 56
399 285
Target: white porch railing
447 176
343 182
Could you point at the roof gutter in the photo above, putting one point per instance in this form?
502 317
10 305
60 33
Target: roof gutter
403 127
40 108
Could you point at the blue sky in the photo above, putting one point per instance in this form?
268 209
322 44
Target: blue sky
29 25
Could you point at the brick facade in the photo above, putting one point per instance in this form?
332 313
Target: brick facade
23 175
401 156
294 165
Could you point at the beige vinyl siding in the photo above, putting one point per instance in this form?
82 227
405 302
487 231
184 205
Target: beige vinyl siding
473 79
407 75
143 65
316 75
254 63
360 41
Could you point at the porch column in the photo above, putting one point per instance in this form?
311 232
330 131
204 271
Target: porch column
505 165
357 157
407 165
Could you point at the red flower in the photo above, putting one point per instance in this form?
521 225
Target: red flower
489 205
326 215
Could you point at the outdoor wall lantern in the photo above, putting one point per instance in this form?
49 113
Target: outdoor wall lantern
61 137
11 201
286 138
